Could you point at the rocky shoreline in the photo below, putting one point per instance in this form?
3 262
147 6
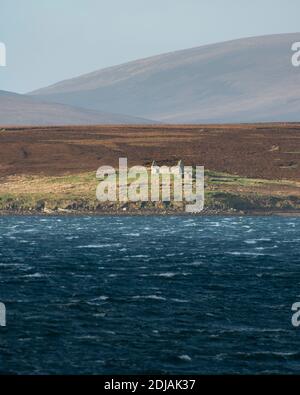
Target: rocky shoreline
147 212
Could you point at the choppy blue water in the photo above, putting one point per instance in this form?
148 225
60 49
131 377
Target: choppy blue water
109 295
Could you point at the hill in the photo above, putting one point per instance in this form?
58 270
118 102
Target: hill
246 80
18 109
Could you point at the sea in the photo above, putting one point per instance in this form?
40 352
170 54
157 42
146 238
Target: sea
149 295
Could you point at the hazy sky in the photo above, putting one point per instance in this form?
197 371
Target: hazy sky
51 40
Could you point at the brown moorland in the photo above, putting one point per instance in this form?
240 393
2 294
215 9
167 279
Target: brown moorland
249 168
266 151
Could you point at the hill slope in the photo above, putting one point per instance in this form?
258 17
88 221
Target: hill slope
24 110
246 80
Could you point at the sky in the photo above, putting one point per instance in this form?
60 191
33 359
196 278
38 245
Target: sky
51 40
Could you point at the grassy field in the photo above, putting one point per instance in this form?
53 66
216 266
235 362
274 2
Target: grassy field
77 193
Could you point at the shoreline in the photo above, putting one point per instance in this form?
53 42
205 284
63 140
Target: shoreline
147 213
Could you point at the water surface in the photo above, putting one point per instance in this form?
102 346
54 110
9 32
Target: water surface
108 295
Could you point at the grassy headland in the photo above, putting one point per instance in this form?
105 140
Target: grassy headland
224 193
249 168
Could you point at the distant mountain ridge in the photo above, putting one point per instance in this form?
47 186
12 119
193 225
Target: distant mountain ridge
245 80
18 109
